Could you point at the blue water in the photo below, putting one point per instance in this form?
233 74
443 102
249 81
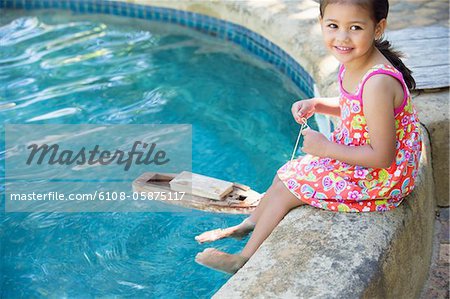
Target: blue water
59 68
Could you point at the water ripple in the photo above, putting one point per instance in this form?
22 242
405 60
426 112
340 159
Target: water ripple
55 114
19 30
36 51
66 89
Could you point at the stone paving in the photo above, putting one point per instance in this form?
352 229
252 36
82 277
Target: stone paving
437 285
417 13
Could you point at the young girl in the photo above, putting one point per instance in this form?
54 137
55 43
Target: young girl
370 162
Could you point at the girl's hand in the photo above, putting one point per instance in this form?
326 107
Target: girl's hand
303 109
315 143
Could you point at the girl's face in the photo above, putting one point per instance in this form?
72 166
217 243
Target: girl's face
349 31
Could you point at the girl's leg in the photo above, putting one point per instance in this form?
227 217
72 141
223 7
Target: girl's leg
270 193
275 211
245 227
276 208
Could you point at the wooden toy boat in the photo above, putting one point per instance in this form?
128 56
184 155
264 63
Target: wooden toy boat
239 199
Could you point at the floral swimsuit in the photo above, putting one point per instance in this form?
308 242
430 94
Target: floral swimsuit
337 186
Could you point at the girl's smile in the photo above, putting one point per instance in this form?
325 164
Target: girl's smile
343 50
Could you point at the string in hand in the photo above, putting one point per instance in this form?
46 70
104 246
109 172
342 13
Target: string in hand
303 126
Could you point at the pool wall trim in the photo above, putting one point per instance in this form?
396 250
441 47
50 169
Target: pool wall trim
377 259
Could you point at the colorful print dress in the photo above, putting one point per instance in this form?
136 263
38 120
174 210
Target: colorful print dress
337 186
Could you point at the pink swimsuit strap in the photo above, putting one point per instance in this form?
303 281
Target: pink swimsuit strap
375 70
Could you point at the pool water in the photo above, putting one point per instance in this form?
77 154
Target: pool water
61 68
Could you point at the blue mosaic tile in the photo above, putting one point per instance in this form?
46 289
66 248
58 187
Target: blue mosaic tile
164 16
54 4
132 13
113 8
98 8
82 6
173 19
147 14
156 9
140 12
106 9
6 4
26 4
123 11
183 22
198 26
72 6
130 10
190 23
157 15
90 7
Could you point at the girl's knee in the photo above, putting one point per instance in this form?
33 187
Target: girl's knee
280 186
276 179
285 197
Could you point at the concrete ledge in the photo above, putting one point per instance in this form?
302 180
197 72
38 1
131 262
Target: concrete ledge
433 109
318 254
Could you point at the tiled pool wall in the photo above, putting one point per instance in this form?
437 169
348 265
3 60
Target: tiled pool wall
251 41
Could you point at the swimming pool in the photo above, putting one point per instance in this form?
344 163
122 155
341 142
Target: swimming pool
57 67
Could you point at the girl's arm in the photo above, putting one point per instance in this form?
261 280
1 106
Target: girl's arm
379 113
329 106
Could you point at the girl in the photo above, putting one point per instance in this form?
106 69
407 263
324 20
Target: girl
370 162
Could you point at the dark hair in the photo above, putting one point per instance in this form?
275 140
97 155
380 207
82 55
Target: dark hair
379 10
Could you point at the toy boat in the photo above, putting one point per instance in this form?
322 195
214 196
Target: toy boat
239 199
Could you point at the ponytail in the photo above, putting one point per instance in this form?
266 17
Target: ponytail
394 56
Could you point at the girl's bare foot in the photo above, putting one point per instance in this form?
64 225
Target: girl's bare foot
238 231
220 261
